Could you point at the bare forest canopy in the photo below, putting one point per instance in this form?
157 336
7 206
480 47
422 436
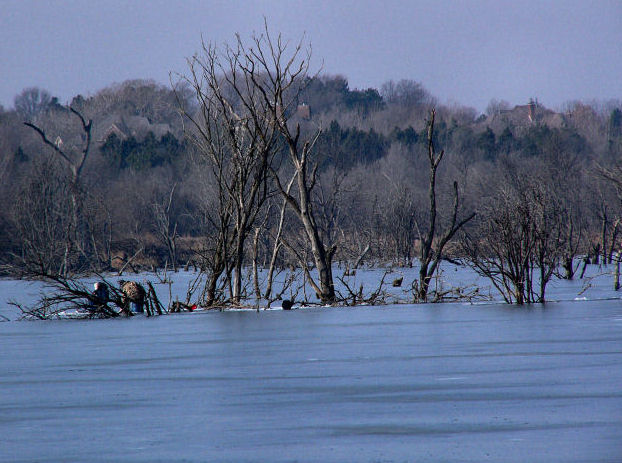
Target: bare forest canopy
131 178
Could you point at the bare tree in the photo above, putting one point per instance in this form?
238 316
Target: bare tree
283 70
406 93
496 107
277 245
396 218
234 131
520 239
72 294
215 223
573 241
74 158
433 241
31 102
550 226
265 80
501 247
42 216
166 226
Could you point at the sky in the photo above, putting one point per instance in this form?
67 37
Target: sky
463 52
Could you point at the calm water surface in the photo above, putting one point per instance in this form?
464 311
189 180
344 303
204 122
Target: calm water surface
428 383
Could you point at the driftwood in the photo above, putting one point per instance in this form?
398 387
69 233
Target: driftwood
357 297
64 295
153 303
69 294
179 306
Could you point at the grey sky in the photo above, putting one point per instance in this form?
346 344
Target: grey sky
464 52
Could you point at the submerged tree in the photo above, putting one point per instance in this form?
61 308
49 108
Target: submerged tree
521 236
433 240
279 72
248 97
234 131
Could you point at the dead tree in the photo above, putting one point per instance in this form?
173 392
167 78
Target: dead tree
276 248
572 243
166 227
520 237
613 176
549 229
433 241
501 247
604 219
63 294
265 81
43 218
66 294
75 160
616 274
614 239
278 72
234 132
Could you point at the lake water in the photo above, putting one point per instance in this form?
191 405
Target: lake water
424 383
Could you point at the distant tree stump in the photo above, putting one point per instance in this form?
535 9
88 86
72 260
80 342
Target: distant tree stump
287 304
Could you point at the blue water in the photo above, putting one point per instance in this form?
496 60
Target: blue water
427 383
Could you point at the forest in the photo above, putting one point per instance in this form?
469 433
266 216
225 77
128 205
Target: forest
252 160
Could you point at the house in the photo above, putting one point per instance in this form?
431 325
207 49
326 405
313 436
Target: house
129 126
303 111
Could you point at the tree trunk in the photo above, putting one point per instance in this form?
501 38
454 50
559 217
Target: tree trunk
424 282
543 282
568 268
277 244
616 283
604 237
520 293
323 263
255 265
614 236
237 280
585 261
431 254
210 289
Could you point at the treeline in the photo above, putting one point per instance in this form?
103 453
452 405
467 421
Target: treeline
143 175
